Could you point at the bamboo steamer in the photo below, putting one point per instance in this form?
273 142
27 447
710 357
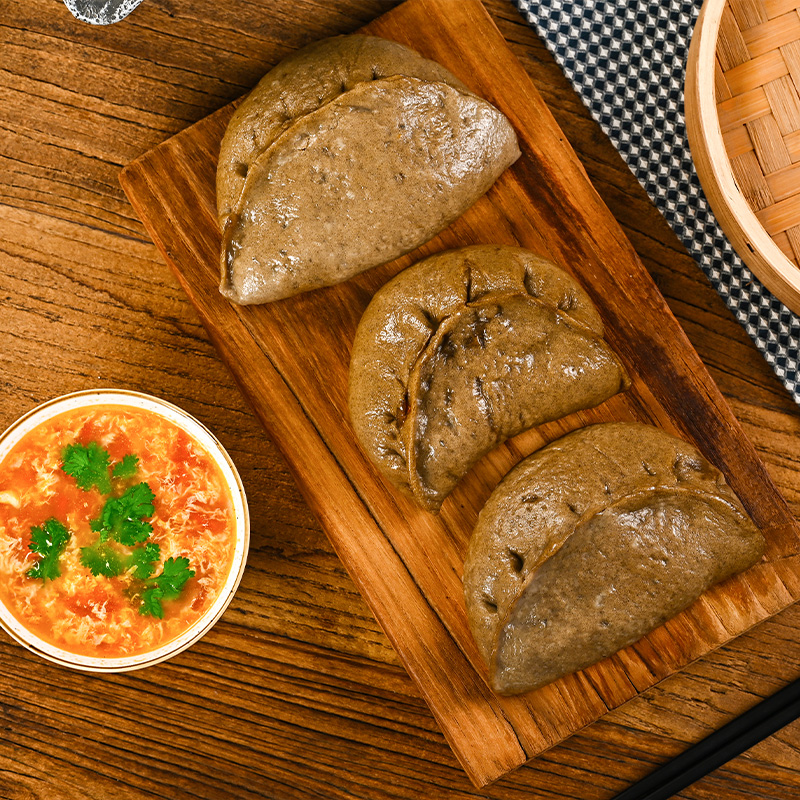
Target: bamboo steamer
743 122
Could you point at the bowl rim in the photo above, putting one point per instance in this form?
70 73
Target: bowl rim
200 433
736 218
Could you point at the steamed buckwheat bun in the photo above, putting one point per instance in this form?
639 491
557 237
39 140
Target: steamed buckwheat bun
348 154
464 350
592 542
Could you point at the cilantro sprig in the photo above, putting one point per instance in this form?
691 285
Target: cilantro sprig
89 465
127 467
123 529
165 586
124 518
103 558
48 540
142 560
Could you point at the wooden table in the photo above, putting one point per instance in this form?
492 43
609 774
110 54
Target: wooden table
296 692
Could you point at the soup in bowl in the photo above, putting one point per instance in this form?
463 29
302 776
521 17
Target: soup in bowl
124 530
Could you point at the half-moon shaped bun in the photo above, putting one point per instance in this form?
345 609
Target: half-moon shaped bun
364 154
303 82
466 349
593 541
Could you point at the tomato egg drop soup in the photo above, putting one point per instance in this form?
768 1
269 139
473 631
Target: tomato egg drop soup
193 520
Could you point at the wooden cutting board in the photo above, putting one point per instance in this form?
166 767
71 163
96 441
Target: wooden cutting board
290 359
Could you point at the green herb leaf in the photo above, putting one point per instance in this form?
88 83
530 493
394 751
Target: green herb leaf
127 467
50 541
165 586
123 517
88 465
102 559
142 560
151 602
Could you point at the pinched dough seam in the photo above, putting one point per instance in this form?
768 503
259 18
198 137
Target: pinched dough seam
585 517
519 559
231 221
288 121
406 433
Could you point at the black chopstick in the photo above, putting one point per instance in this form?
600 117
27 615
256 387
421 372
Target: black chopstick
729 741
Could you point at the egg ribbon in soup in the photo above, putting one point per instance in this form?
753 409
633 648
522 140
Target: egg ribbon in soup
117 531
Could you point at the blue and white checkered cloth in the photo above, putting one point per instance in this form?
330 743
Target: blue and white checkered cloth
627 60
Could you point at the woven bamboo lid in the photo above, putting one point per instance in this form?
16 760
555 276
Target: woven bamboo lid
743 121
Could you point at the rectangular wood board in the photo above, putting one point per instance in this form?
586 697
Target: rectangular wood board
291 359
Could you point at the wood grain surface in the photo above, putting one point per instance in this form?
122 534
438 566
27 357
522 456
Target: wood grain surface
291 361
296 693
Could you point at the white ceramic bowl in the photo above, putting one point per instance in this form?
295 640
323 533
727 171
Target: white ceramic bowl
208 441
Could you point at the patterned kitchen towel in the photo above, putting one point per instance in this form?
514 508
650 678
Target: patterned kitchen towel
627 60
